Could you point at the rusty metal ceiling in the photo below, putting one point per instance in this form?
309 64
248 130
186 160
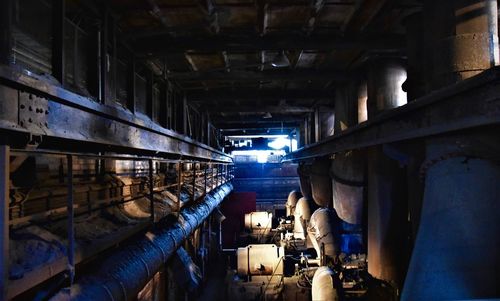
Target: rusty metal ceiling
220 51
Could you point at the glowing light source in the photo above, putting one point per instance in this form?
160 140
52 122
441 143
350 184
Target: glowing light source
279 143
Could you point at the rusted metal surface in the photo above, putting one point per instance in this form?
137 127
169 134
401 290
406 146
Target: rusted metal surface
126 272
30 105
468 104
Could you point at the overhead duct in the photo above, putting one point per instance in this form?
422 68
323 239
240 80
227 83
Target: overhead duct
324 232
321 183
347 173
126 272
291 202
323 285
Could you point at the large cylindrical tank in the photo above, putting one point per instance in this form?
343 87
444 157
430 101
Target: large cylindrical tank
321 183
347 173
323 285
291 202
302 215
324 232
304 171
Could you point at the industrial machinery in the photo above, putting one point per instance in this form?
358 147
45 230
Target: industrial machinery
304 260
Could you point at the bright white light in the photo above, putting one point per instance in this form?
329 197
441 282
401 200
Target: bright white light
279 143
262 157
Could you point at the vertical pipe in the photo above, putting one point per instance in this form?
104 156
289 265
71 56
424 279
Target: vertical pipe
151 191
4 215
70 224
460 209
387 196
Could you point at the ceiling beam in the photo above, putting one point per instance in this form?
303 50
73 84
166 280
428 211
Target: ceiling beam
364 13
254 126
255 119
162 45
263 94
258 131
258 109
277 74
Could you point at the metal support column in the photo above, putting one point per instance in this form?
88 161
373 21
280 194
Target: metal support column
151 191
179 185
205 175
4 215
70 224
194 181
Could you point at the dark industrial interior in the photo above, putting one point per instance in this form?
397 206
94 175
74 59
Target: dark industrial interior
296 150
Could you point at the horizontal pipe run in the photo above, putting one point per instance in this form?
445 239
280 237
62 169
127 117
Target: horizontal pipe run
126 272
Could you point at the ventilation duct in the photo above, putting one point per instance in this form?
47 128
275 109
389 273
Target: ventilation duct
321 183
347 173
304 172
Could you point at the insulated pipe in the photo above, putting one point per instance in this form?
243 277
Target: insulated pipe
323 285
291 202
302 215
126 272
321 184
324 232
348 180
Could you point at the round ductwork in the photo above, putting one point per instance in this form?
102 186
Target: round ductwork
324 232
347 173
302 215
323 285
293 198
304 172
321 183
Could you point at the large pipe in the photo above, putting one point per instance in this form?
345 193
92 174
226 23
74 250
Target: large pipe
323 285
458 239
348 181
291 202
304 172
324 232
321 184
126 272
302 215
